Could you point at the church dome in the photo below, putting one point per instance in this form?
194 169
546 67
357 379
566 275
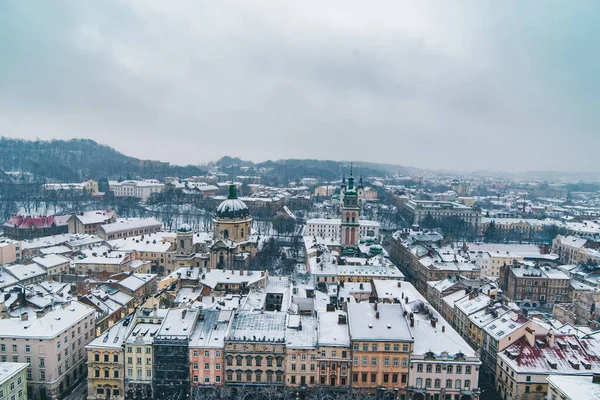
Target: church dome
233 207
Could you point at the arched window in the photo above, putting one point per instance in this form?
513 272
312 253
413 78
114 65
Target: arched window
181 244
225 233
242 232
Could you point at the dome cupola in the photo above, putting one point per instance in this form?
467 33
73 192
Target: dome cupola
232 207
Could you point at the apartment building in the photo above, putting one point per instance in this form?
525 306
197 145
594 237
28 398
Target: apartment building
334 350
54 264
379 336
207 348
87 222
302 337
52 342
13 381
417 210
10 251
524 367
530 286
105 367
139 352
127 227
465 307
171 360
255 349
157 248
426 258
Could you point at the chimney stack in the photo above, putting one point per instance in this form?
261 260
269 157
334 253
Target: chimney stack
377 314
24 316
433 322
443 328
375 306
596 378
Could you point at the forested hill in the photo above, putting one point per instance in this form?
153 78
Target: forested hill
78 159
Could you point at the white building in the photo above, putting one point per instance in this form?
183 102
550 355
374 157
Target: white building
52 343
140 189
330 228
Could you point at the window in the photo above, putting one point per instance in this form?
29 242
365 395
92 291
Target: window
206 353
2 347
42 362
365 347
148 373
419 382
116 373
363 377
218 366
148 361
323 353
404 347
27 348
355 347
528 378
355 362
438 368
195 366
448 383
386 361
396 347
459 369
138 360
365 361
14 348
457 384
428 368
129 349
373 378
428 382
386 347
374 347
386 378
419 367
43 375
404 361
148 350
373 361
450 369
467 383
333 353
468 369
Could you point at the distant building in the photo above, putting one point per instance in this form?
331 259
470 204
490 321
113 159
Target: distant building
88 222
126 227
10 251
21 228
140 189
88 187
417 210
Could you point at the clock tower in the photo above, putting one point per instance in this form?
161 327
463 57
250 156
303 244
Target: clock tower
350 226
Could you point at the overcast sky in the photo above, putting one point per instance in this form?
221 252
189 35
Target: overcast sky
460 85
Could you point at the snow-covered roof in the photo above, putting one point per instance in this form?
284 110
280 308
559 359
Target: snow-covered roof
575 387
251 326
301 332
10 369
331 331
49 325
388 325
125 224
51 260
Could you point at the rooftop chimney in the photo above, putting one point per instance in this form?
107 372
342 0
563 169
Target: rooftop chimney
375 307
596 378
443 328
433 322
377 314
24 316
399 284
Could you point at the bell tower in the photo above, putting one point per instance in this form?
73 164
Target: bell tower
350 226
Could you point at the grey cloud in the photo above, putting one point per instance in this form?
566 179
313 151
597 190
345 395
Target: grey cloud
424 84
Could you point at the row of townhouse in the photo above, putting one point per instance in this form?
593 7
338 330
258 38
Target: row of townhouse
518 354
398 349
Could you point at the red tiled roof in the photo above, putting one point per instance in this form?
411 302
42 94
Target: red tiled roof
21 222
